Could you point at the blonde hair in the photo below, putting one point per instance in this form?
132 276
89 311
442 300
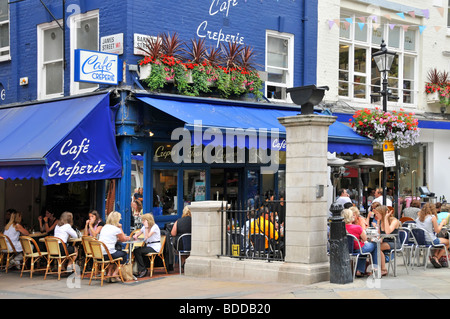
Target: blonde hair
186 212
348 216
149 218
383 210
355 209
66 218
114 218
15 219
427 209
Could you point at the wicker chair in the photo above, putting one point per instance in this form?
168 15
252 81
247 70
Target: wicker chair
29 254
101 262
6 251
87 251
54 254
152 256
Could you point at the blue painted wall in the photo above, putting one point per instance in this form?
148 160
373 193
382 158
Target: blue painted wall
246 19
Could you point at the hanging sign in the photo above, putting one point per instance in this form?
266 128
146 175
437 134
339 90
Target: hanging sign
389 154
97 67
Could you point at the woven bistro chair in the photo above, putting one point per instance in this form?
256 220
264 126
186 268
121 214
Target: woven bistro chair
102 262
28 246
6 251
54 254
87 251
152 256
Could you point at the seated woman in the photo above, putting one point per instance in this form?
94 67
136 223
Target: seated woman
14 230
182 226
360 234
152 239
387 224
94 224
48 223
358 219
64 230
427 220
110 234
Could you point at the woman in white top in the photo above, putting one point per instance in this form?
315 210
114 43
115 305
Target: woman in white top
152 239
64 230
427 219
14 230
109 235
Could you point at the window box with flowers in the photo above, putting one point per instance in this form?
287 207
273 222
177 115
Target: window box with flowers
227 72
399 127
437 87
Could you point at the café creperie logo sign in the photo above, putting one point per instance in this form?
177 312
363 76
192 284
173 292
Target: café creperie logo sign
97 67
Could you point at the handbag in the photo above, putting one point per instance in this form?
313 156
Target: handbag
127 272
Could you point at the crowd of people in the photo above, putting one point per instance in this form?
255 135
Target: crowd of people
432 217
109 232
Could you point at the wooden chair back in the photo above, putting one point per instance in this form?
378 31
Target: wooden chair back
4 240
85 240
405 219
52 244
28 245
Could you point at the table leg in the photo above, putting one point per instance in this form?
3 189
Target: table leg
378 259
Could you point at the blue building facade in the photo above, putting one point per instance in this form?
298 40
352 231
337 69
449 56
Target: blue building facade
38 42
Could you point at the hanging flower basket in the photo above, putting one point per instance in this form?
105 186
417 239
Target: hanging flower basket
399 127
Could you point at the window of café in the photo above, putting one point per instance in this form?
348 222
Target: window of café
165 189
194 186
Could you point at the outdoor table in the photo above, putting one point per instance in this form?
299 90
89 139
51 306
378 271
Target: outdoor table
377 239
131 244
37 234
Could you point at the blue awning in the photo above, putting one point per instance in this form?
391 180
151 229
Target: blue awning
61 141
341 138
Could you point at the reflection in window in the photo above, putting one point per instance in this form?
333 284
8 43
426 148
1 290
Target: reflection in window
165 187
194 186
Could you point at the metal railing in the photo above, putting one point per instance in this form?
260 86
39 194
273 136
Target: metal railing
255 231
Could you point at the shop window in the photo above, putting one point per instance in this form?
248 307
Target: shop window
4 30
194 186
84 30
279 64
137 176
165 188
50 61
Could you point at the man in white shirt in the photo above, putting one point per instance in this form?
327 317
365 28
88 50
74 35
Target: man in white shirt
379 197
343 198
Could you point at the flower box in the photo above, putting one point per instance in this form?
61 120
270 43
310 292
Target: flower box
144 71
433 97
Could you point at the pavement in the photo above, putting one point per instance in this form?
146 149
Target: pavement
431 283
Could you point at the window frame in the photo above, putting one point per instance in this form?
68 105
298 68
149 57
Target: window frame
289 70
6 57
41 72
75 19
369 46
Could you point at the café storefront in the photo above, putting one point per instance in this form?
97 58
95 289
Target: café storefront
180 150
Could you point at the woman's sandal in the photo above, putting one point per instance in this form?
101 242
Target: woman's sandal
359 274
435 262
384 272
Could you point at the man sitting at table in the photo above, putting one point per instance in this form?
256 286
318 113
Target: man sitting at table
263 225
379 198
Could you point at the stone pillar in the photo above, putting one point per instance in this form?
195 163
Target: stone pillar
306 201
207 228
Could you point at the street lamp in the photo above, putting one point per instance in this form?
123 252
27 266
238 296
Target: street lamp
383 60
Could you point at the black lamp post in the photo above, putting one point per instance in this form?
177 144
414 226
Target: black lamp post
383 60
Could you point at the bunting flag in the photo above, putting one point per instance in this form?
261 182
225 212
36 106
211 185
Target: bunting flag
363 20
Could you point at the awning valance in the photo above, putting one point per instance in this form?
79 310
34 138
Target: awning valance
62 141
341 138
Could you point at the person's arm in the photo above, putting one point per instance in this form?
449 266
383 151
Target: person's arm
72 233
438 227
122 237
173 232
363 236
49 228
389 228
137 234
22 230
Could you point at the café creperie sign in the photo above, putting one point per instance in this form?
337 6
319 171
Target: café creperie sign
97 67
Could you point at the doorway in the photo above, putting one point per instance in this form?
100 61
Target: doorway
227 185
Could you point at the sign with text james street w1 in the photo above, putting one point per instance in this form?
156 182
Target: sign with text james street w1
97 67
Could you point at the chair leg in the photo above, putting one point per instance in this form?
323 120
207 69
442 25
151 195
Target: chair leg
164 263
152 262
93 272
23 266
120 271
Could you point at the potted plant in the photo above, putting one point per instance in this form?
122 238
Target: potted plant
433 84
399 127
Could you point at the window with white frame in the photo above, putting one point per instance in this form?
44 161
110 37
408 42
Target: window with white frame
84 34
359 78
50 61
279 64
4 30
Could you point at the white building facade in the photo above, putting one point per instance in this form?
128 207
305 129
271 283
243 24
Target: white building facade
349 32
